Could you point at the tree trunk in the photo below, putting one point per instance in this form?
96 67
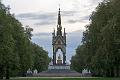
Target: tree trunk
1 72
111 72
108 73
117 71
7 72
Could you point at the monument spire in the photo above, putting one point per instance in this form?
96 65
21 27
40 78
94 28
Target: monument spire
59 27
59 17
59 42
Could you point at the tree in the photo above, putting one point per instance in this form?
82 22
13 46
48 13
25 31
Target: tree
102 40
8 58
16 49
41 59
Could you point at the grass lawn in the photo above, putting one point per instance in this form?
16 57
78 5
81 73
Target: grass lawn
64 78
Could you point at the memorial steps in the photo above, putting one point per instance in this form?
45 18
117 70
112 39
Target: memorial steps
58 73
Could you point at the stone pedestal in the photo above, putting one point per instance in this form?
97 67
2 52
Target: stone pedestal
59 62
59 67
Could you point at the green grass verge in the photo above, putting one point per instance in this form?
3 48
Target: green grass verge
54 78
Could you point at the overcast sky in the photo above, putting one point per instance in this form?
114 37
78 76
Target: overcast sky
41 15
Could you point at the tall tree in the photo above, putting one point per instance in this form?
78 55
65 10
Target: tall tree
102 40
16 50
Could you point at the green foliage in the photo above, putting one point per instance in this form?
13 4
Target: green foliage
78 60
101 41
41 59
17 52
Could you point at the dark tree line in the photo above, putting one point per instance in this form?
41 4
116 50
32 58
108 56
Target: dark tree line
100 49
17 52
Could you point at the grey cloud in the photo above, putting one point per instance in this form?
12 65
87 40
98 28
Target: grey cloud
41 18
82 19
44 23
76 4
44 18
35 16
85 17
43 34
93 3
72 21
68 13
96 1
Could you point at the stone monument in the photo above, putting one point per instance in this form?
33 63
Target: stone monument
59 42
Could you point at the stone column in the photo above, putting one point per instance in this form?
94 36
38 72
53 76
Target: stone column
64 58
54 58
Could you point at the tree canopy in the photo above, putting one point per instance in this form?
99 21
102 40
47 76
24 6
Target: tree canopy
100 49
17 52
